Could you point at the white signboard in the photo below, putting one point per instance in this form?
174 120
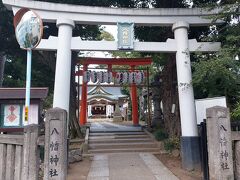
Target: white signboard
203 104
33 115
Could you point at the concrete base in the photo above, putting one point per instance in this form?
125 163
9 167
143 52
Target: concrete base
190 152
117 119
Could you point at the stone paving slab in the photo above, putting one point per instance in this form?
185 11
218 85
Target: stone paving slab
128 166
157 168
99 168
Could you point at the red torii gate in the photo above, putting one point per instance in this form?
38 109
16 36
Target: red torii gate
132 62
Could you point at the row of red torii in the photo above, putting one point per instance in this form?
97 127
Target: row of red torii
132 62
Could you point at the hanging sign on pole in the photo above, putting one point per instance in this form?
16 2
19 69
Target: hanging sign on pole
28 29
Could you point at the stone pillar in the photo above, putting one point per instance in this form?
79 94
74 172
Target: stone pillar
134 102
219 142
117 115
55 156
189 140
83 111
63 64
157 119
237 159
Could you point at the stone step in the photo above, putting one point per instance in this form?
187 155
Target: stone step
117 133
96 151
122 145
119 136
96 130
120 140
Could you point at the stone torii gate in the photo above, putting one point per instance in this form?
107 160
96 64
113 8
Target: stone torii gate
132 62
66 16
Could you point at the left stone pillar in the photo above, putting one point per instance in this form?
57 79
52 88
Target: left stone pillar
63 64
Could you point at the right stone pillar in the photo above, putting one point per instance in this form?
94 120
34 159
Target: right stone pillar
189 140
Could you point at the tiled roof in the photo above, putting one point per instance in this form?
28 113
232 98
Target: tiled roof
19 93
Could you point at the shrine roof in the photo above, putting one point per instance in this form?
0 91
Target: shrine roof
107 97
113 93
19 93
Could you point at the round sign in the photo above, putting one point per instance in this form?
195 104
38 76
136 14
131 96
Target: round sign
28 28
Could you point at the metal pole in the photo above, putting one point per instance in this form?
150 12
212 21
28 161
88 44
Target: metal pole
28 84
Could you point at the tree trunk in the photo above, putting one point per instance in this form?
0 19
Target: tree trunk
73 121
157 120
2 64
170 98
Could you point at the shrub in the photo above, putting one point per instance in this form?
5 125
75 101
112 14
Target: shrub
171 144
160 135
235 114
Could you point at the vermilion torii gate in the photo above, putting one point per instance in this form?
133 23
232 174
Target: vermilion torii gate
132 62
180 19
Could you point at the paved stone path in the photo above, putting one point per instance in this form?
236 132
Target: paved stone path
130 166
125 166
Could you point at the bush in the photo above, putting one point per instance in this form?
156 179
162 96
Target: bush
235 114
160 135
171 144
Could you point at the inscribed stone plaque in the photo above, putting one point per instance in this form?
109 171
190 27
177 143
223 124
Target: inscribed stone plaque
219 144
55 161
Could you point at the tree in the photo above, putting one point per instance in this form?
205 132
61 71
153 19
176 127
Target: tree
43 64
217 74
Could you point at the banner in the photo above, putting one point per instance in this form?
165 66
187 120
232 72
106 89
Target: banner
100 76
125 77
108 77
94 76
119 78
139 77
132 77
86 76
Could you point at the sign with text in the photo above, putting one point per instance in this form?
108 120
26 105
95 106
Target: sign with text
55 160
219 143
125 35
